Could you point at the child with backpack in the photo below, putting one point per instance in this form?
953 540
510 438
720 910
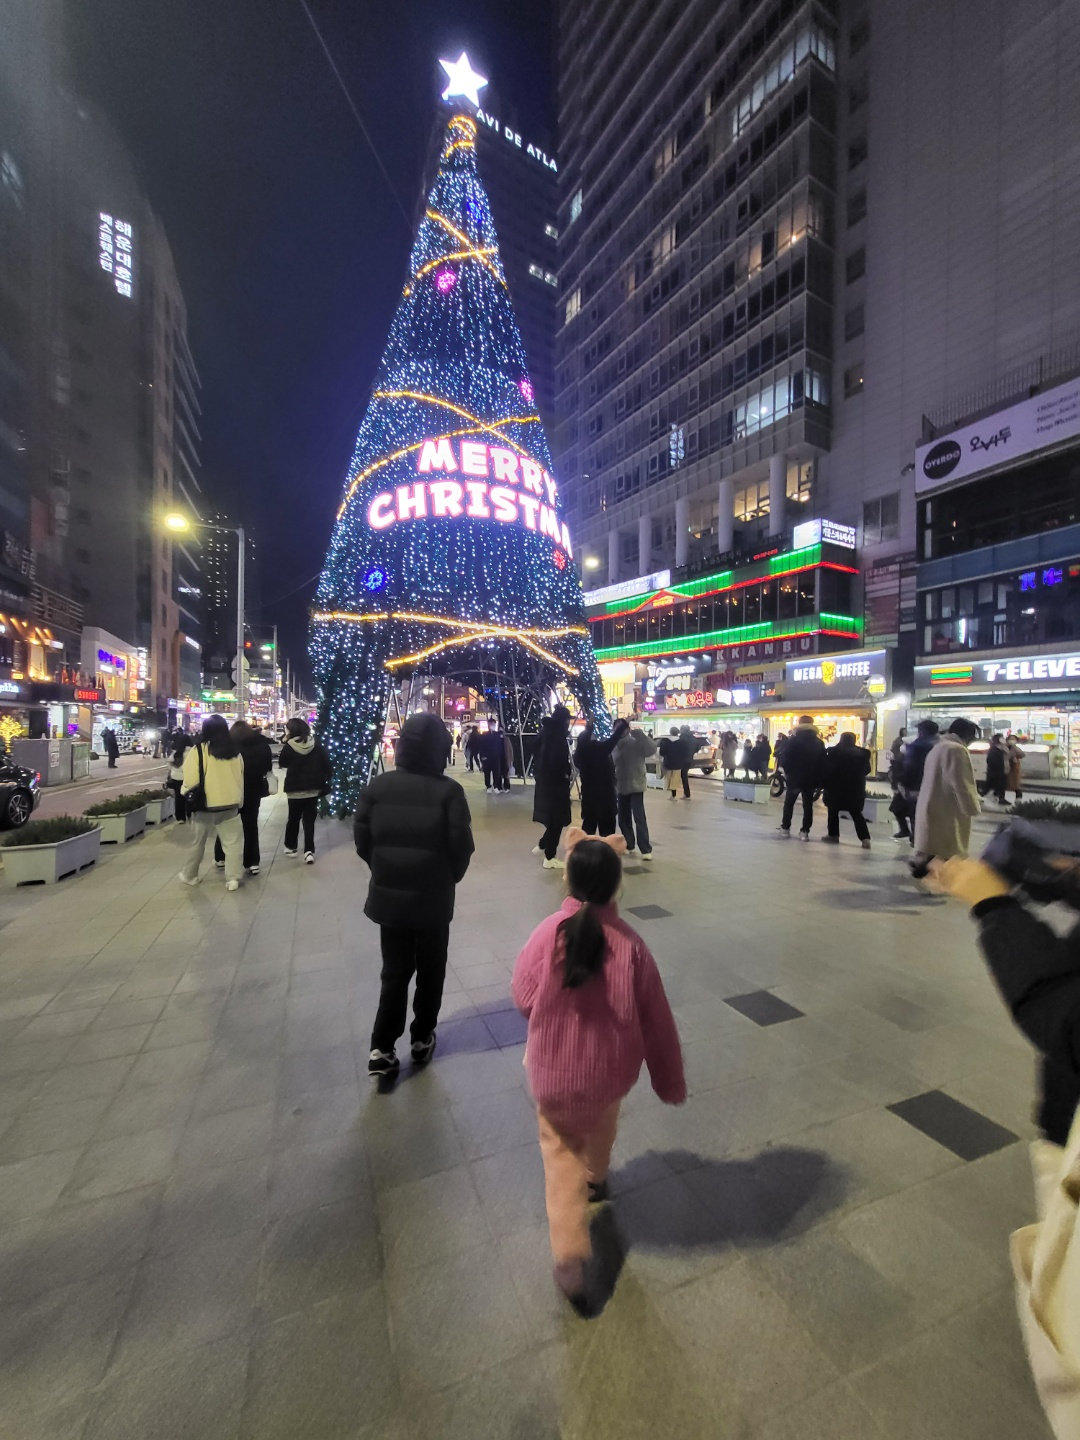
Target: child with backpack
596 1008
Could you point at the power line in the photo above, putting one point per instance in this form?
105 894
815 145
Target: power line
356 113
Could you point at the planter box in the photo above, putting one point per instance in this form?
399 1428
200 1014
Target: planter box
746 791
117 829
158 811
46 864
874 810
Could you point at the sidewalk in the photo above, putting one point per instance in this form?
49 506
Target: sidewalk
210 1226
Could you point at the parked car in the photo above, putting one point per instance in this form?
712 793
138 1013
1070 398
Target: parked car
19 793
704 756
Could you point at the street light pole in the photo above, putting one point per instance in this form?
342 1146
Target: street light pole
240 623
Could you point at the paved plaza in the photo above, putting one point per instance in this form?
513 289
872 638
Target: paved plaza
211 1226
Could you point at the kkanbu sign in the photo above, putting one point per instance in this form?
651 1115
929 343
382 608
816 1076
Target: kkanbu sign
1009 434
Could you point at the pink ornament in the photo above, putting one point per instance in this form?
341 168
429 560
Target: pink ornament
445 280
525 386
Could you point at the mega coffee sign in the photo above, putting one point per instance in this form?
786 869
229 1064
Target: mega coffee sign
856 675
1006 435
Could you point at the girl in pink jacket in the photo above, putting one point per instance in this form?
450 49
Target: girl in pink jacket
596 1009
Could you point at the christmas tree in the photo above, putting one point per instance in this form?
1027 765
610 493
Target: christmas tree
450 554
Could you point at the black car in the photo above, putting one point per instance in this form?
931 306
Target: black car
19 793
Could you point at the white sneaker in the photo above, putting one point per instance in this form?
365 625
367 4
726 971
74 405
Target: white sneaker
288 852
253 869
631 851
554 864
232 884
185 881
219 864
537 850
309 857
646 855
785 831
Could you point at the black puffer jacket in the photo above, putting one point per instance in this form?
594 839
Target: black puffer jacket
414 830
804 758
595 766
1038 974
258 762
846 769
552 771
306 765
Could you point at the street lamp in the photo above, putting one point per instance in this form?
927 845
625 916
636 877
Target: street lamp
592 562
181 523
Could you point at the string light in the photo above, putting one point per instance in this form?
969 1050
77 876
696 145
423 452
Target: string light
458 586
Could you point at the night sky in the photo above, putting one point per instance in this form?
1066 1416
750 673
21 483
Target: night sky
290 246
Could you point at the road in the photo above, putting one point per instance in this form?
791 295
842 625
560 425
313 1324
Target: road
133 772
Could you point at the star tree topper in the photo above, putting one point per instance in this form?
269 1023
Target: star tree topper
462 79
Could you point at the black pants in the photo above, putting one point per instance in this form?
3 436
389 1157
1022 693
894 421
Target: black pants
249 819
495 773
406 953
112 762
598 813
685 776
631 814
549 841
180 802
998 787
304 810
862 830
791 795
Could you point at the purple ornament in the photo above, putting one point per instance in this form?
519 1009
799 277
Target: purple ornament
525 386
445 280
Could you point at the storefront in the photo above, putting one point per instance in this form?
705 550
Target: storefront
851 691
1033 695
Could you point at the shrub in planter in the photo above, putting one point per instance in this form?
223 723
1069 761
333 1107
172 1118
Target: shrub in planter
49 832
118 805
1067 812
750 792
160 805
121 819
45 851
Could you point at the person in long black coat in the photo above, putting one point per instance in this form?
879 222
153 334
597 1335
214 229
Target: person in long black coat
596 770
258 761
804 767
847 765
552 772
414 830
997 764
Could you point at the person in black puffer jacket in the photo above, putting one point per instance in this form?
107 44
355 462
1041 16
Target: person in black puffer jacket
553 773
804 771
414 830
308 773
258 762
596 770
847 765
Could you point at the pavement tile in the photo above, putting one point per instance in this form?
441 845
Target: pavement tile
128 1162
28 1187
316 1254
193 1392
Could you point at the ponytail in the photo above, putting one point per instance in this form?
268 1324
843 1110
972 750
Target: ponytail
582 936
593 876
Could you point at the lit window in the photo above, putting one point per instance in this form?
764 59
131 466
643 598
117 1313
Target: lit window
551 232
853 381
573 305
575 206
537 271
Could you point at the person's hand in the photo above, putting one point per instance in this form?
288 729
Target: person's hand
969 880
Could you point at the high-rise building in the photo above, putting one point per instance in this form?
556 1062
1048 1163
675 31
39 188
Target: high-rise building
800 242
517 165
99 386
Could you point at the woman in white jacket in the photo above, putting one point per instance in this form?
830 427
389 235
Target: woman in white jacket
947 800
215 767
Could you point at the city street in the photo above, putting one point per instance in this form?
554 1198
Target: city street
133 772
212 1226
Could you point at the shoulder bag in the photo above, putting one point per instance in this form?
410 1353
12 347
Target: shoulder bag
196 796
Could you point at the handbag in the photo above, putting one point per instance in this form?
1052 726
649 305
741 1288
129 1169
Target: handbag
1046 1264
196 796
270 781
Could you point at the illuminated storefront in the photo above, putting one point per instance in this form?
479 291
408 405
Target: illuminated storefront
1032 694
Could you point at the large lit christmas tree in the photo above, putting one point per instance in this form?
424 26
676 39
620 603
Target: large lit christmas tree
450 554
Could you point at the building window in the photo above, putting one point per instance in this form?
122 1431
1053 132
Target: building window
856 264
551 232
800 481
550 279
536 271
853 381
858 93
811 39
881 519
575 206
857 152
854 322
860 34
856 207
573 305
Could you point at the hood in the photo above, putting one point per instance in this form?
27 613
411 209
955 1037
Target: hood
423 747
302 747
802 729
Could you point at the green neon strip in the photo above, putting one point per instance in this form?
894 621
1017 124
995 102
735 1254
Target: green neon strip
740 634
722 580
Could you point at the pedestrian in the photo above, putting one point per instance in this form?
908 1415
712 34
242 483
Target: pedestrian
670 761
214 784
997 768
912 764
111 745
947 799
729 754
847 764
472 748
760 756
175 781
896 752
508 760
1013 780
596 1009
631 782
804 766
746 757
552 772
688 748
414 830
258 762
308 773
493 758
596 771
781 745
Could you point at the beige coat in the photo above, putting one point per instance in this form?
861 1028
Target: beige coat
947 801
224 779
